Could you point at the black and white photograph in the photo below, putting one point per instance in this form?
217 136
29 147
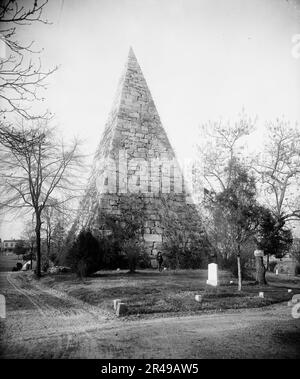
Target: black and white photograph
149 183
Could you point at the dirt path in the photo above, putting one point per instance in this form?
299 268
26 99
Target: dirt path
45 323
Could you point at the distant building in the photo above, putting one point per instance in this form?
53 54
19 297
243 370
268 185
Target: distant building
8 246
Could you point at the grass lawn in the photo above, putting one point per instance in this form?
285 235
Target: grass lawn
149 292
7 262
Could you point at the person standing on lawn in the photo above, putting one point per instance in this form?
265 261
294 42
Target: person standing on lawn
160 260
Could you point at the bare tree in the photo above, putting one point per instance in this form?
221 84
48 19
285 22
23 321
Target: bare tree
21 73
221 153
279 168
36 171
220 143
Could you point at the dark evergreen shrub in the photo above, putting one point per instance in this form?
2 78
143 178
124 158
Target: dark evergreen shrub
85 255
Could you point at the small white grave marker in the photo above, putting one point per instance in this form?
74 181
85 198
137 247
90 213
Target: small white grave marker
198 298
212 274
276 271
289 290
116 302
259 253
261 294
121 309
2 306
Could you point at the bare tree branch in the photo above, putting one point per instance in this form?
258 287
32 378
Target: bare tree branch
21 76
279 169
42 173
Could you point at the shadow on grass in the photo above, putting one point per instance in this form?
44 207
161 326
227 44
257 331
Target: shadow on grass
291 338
114 274
118 274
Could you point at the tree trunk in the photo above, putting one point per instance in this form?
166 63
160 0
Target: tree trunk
268 262
38 245
260 271
48 250
132 268
31 256
239 272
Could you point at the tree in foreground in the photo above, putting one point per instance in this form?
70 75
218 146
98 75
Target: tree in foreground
37 169
225 213
236 214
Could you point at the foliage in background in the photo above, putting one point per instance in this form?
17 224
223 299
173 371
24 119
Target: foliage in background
278 167
295 250
275 238
119 236
123 233
185 241
20 248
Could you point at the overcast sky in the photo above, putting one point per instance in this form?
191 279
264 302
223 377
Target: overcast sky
202 60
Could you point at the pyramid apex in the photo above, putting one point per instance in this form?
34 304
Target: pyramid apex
131 53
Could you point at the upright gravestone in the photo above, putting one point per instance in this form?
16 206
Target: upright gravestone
2 306
212 274
260 268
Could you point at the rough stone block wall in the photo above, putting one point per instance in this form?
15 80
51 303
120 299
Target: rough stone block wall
135 157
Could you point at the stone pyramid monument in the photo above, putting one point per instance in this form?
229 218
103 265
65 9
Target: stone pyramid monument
135 167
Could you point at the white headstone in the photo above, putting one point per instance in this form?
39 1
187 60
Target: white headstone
276 271
261 294
152 237
116 302
2 306
258 253
212 274
198 298
121 309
